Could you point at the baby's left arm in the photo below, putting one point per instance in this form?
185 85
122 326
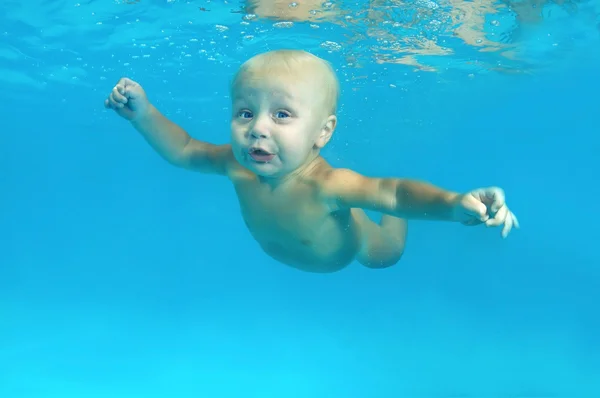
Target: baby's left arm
398 197
413 199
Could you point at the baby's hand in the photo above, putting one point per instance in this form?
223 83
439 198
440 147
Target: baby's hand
485 206
128 99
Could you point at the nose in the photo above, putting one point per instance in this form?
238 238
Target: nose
260 128
257 134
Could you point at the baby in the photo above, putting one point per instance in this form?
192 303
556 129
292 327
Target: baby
302 211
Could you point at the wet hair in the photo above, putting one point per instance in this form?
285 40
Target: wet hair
297 62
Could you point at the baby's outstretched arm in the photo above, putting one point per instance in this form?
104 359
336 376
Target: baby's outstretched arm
395 196
418 200
169 140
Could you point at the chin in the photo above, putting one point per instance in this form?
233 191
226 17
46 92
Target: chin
265 170
261 169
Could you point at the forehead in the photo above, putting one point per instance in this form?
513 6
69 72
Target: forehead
282 85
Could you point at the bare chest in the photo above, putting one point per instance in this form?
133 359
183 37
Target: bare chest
294 227
282 214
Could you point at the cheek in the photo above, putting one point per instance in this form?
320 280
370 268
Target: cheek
298 145
237 132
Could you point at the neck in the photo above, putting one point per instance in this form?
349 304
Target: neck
306 168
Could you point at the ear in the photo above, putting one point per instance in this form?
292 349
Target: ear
326 131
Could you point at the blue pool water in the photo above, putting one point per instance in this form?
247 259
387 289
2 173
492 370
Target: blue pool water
121 276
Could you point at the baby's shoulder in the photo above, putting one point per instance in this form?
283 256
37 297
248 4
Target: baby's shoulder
328 180
327 176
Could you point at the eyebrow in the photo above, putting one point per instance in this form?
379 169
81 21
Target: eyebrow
279 95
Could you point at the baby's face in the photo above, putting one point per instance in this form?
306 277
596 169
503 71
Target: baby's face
277 122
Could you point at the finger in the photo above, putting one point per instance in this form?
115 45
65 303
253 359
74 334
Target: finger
478 210
115 99
126 86
118 94
114 104
125 82
110 104
507 227
499 218
472 221
497 198
515 221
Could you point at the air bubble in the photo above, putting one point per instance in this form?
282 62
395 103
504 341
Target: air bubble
331 46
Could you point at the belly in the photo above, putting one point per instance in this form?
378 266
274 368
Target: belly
310 259
321 246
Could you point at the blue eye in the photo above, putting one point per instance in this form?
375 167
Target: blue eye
282 115
245 114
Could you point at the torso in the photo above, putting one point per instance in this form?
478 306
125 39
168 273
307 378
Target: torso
293 225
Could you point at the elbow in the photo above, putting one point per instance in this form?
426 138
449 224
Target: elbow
180 157
176 159
391 202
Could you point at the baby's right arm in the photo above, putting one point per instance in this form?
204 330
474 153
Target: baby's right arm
173 143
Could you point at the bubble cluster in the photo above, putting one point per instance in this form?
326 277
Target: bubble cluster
178 37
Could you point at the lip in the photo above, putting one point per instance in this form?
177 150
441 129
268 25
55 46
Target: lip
257 148
260 155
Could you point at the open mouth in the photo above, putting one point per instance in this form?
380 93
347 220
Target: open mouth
260 155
